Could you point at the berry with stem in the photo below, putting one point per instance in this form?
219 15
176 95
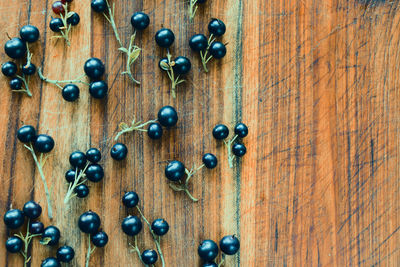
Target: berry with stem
64 29
59 83
217 50
14 218
94 68
93 155
119 151
216 27
98 89
135 126
239 150
29 33
79 179
229 244
14 244
50 236
26 240
36 227
169 68
100 239
208 250
32 210
149 256
89 222
9 69
82 191
193 7
130 199
65 254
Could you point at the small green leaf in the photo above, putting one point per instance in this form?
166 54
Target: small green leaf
123 49
45 241
134 55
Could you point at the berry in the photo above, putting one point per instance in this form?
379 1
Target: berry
201 1
43 143
36 228
229 244
9 69
77 159
55 24
66 1
165 37
163 61
29 33
89 222
155 131
239 150
65 254
130 199
198 42
216 27
94 173
74 19
70 92
119 151
217 50
50 262
14 219
210 160
167 116
94 68
160 227
241 130
220 132
208 250
175 170
100 239
29 69
98 5
98 89
15 48
58 7
93 155
70 176
182 65
26 134
149 256
131 225
140 21
210 264
53 233
82 191
15 83
14 244
32 210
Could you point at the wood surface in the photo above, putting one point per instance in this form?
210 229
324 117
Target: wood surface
317 82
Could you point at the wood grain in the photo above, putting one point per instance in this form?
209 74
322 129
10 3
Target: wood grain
317 82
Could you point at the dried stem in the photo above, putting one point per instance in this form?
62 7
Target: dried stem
229 147
135 126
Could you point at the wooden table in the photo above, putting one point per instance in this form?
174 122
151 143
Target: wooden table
317 83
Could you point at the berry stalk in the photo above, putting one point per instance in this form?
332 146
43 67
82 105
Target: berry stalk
135 126
71 188
25 80
59 82
27 240
184 187
65 29
89 252
222 260
168 67
192 9
229 147
204 58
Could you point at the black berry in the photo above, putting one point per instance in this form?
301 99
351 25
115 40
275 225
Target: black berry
160 227
43 143
53 234
55 24
15 48
29 69
130 199
217 50
14 244
208 250
70 176
210 264
100 239
9 69
94 68
93 155
155 131
241 130
229 244
29 33
36 228
74 19
210 160
131 225
182 65
32 210
65 254
175 170
77 159
216 27
98 5
163 61
26 134
239 150
94 173
167 116
14 219
98 89
149 256
220 132
165 38
140 21
82 191
70 92
15 83
50 262
119 151
198 42
89 222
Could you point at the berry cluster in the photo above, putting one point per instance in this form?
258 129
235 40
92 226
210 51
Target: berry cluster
64 23
89 223
132 225
17 48
84 167
208 250
221 132
64 254
179 66
43 144
193 7
200 43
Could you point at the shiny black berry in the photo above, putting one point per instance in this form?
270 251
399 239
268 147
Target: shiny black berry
217 50
15 83
98 89
241 130
220 132
51 235
99 5
82 191
239 150
70 176
140 21
29 33
209 264
130 199
182 65
14 218
160 227
119 151
43 143
9 69
55 24
93 155
14 244
216 27
165 38
58 7
89 222
77 159
149 256
32 210
36 228
229 244
94 68
198 42
155 131
131 225
70 92
74 19
167 116
65 254
29 69
15 48
99 239
50 262
94 173
208 250
26 134
210 160
175 170
201 1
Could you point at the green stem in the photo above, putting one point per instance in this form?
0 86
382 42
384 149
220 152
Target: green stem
135 126
229 147
27 240
59 82
65 29
71 188
192 9
26 85
184 187
222 260
203 56
171 74
110 19
89 252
